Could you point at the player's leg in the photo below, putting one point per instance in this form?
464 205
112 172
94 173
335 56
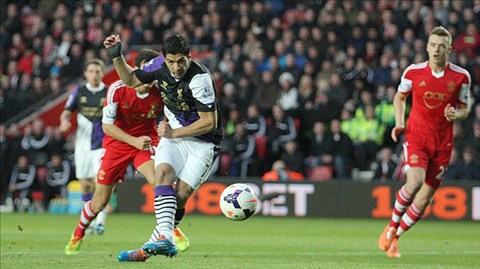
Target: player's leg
404 198
89 213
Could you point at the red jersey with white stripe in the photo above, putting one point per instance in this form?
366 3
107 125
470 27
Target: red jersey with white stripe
134 113
431 92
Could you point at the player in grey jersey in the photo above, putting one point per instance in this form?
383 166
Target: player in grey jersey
190 140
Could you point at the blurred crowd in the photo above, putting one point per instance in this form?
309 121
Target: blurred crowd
304 85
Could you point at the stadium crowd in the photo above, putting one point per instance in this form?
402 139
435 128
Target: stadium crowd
309 83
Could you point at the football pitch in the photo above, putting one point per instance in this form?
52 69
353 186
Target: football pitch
37 241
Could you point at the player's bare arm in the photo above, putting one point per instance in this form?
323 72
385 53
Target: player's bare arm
206 123
399 105
65 123
451 113
141 142
125 71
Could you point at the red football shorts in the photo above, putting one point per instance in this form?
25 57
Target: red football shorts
425 156
115 162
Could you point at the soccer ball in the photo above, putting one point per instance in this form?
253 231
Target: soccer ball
238 202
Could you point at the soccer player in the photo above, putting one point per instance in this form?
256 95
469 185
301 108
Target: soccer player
129 122
88 101
440 94
190 140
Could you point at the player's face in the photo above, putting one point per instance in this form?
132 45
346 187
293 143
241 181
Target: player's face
93 74
438 49
177 64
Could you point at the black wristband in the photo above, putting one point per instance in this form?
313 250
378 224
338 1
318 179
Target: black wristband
115 50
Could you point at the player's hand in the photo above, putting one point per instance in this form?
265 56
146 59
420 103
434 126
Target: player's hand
142 143
65 126
450 113
397 130
111 40
164 130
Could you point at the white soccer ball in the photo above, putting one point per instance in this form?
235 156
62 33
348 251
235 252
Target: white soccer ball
238 202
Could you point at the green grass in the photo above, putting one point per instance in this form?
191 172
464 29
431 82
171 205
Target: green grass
37 241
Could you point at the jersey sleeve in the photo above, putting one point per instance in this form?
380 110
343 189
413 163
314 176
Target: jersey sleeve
405 85
147 73
72 103
114 96
464 93
203 92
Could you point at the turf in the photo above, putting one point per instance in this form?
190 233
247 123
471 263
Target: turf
37 241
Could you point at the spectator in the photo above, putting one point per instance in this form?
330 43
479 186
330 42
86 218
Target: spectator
469 166
279 172
22 184
385 167
288 95
57 178
341 149
242 147
255 124
35 143
293 157
281 130
319 147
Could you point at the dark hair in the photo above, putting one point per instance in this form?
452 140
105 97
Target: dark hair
145 55
95 62
175 44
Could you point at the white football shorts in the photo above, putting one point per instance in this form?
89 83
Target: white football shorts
193 160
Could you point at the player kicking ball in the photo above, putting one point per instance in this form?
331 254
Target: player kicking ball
129 122
190 140
440 94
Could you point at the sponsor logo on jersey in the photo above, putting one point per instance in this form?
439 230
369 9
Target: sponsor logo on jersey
433 100
164 84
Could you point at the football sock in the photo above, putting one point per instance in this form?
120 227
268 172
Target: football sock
165 205
410 218
402 202
179 216
86 217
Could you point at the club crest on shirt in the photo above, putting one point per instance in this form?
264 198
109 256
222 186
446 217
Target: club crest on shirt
152 114
451 86
414 158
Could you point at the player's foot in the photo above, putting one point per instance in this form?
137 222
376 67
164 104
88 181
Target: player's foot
162 246
394 251
181 240
136 255
386 238
73 245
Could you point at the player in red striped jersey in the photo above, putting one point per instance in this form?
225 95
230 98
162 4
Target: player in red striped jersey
129 123
440 94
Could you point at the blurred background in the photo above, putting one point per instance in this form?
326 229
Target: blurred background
305 87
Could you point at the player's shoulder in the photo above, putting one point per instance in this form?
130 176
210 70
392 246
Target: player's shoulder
416 67
460 70
116 87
